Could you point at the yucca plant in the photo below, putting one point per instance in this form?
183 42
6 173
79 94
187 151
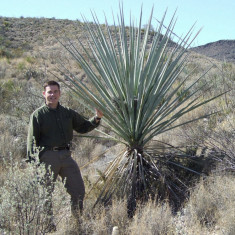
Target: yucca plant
134 73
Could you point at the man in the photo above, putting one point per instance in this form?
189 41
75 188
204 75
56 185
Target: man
49 138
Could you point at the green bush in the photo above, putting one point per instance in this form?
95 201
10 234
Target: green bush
4 52
24 201
211 206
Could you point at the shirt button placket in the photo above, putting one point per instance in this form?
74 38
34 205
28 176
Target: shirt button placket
59 122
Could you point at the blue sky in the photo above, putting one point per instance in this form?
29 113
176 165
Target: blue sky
215 17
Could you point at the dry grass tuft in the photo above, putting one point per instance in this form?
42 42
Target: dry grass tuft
211 205
153 218
98 221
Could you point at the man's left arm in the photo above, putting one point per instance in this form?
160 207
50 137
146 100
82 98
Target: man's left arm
82 125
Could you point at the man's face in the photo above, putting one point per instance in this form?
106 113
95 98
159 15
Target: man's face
52 95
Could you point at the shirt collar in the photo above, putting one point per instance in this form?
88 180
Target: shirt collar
57 108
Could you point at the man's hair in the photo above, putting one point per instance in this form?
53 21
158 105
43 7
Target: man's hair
51 83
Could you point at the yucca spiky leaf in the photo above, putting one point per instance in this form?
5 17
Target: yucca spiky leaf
135 72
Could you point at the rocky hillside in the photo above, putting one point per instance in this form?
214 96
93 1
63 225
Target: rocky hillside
18 35
223 50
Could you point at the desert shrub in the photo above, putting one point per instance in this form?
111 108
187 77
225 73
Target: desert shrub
118 215
100 220
33 72
30 60
12 138
3 69
82 148
222 139
20 98
21 66
214 139
24 200
152 218
11 146
114 215
5 52
211 205
29 98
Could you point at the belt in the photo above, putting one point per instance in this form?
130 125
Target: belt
59 148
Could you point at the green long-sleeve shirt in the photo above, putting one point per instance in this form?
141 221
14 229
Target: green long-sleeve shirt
54 127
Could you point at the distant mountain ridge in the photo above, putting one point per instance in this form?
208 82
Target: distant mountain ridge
27 33
223 50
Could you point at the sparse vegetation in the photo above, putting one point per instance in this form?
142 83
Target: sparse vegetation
27 53
24 200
